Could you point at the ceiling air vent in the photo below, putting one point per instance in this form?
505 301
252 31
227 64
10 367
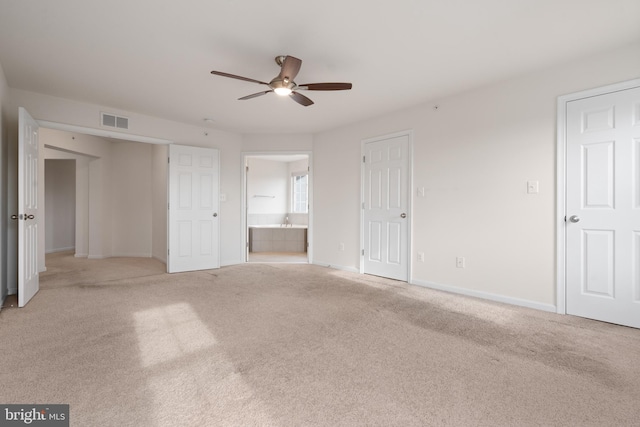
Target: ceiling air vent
113 121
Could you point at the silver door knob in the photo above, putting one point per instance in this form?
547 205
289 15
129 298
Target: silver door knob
215 214
574 218
403 215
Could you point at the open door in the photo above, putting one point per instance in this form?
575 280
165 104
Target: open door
27 216
194 242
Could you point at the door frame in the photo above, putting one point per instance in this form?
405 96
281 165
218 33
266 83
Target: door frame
244 233
12 240
561 184
409 249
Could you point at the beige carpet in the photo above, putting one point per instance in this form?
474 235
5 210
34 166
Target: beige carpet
294 345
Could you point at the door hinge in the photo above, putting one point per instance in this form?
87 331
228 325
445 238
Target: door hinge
168 251
363 205
363 252
364 159
168 159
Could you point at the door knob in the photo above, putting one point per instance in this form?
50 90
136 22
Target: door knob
215 214
574 218
14 216
29 217
403 215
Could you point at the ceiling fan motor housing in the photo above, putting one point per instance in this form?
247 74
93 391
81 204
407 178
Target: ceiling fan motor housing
278 83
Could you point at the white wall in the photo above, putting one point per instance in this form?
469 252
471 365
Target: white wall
131 210
277 142
60 205
474 156
267 186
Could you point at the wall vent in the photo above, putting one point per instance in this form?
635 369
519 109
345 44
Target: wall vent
113 121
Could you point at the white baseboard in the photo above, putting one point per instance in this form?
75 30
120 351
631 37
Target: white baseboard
53 251
77 255
337 267
162 260
130 255
488 296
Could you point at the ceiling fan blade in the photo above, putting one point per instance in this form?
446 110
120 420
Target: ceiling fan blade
233 76
301 99
325 86
290 68
254 95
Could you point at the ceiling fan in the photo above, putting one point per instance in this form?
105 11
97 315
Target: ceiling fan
283 83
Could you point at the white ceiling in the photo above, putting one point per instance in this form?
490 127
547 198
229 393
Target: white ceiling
155 56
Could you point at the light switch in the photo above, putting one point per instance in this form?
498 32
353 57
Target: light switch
533 187
223 197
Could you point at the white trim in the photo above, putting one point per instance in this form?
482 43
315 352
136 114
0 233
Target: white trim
55 250
243 199
337 267
409 134
102 133
130 255
561 284
157 258
487 296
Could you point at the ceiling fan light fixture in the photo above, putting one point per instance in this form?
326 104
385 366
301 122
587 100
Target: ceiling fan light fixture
282 91
282 87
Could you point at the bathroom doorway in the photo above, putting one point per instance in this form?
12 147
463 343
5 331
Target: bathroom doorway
277 203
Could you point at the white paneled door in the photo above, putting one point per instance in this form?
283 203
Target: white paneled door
386 208
603 207
193 209
27 215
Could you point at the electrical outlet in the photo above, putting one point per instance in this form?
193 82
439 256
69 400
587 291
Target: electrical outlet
460 262
341 246
533 187
421 256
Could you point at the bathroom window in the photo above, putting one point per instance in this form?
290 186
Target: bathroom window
299 193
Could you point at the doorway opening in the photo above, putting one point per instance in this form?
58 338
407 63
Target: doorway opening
277 204
60 203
